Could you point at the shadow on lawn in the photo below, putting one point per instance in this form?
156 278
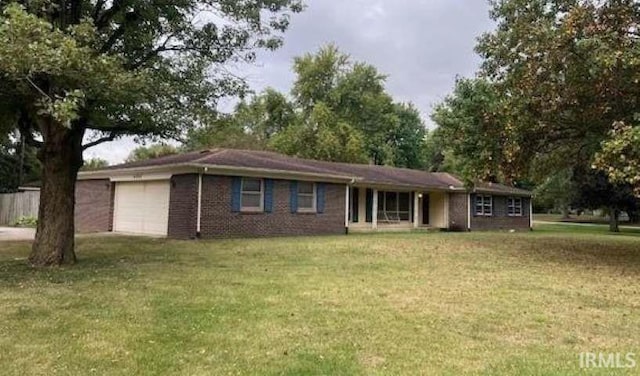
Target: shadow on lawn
98 258
620 254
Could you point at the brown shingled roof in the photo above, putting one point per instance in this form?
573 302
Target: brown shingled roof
367 174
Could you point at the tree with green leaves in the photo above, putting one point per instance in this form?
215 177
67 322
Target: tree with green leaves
353 94
556 76
142 153
322 135
479 132
94 163
76 73
251 125
568 68
620 156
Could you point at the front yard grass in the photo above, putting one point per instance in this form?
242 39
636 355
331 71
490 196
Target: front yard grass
411 303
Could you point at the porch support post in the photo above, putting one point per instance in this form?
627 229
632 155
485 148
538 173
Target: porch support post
347 203
374 210
531 213
416 204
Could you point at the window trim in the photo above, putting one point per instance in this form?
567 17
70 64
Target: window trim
314 198
483 212
252 209
511 204
395 212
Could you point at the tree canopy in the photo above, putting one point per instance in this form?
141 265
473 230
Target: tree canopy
142 153
76 73
338 110
557 76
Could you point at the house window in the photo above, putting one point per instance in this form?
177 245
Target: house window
394 206
306 197
252 195
484 205
514 206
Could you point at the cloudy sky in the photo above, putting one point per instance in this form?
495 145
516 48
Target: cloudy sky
422 45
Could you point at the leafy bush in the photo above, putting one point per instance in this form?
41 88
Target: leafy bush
26 222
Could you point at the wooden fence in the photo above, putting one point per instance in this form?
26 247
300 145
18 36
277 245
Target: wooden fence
16 205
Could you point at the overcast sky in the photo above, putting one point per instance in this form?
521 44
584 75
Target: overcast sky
421 45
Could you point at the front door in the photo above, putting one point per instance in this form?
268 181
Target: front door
425 209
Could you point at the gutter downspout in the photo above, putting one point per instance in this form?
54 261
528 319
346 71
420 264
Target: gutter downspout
199 209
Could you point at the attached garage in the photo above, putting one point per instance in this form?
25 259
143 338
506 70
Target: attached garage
142 207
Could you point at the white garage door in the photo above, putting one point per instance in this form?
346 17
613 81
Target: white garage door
142 207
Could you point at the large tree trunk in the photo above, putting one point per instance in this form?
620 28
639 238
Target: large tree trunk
614 215
61 157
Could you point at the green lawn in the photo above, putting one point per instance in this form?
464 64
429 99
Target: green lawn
418 303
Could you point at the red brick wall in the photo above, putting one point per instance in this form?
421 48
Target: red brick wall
94 205
218 220
500 220
183 206
458 211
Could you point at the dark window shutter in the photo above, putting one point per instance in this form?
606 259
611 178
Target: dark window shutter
355 206
320 189
236 187
369 205
411 206
268 195
293 196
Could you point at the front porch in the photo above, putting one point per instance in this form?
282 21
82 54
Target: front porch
396 209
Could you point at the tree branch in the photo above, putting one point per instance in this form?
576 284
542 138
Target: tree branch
99 141
98 9
105 18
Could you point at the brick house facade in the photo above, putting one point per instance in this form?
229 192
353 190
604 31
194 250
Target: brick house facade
500 220
219 221
94 205
196 195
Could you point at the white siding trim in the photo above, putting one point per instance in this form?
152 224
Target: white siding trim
416 212
374 210
199 213
347 204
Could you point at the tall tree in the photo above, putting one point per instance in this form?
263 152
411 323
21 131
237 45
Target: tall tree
355 95
563 72
569 68
408 137
76 73
252 124
479 132
322 135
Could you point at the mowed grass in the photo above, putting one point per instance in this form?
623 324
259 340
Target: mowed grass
410 303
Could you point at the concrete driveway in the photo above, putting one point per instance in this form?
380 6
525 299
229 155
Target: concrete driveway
16 233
